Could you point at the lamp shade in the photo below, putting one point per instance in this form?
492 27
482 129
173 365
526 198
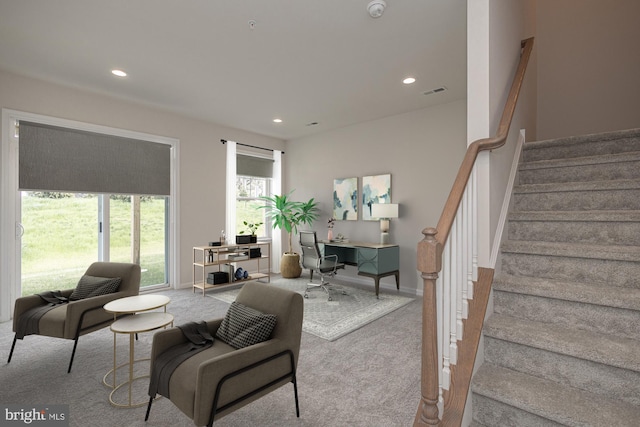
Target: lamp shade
384 210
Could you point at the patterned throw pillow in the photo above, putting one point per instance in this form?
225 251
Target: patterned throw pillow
92 286
244 326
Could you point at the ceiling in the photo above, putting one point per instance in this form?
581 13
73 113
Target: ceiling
326 61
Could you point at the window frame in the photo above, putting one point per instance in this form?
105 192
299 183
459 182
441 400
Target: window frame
267 191
9 198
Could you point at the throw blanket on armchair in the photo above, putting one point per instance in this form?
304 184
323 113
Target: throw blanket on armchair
29 321
199 339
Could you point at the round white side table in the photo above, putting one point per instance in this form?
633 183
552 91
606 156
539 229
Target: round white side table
137 319
137 304
132 325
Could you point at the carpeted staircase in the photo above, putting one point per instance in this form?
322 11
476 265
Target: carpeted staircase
563 344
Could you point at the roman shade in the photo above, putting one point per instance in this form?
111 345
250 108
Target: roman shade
254 166
53 158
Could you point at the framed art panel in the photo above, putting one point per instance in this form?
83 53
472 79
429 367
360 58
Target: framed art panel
375 189
345 199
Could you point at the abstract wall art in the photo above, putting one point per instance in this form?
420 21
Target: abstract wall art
345 199
375 189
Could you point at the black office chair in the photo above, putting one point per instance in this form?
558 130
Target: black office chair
314 260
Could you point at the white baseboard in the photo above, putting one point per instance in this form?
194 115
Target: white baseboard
504 212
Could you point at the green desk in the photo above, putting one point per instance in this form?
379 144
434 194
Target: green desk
372 259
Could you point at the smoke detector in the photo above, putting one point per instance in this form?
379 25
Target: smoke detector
376 8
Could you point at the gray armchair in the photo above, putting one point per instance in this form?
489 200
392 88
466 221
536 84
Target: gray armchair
220 379
315 261
79 317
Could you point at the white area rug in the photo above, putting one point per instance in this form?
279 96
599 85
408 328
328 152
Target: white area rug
331 320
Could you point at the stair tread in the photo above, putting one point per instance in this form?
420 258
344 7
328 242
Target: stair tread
583 216
551 400
584 292
581 139
631 156
606 349
577 250
606 185
581 166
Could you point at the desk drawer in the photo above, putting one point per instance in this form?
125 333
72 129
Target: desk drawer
378 261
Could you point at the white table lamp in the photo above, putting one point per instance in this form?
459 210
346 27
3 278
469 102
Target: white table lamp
384 211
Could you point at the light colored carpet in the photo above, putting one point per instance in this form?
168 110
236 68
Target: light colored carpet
333 319
370 377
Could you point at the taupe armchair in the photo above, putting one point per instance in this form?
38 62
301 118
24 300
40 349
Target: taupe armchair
79 317
220 379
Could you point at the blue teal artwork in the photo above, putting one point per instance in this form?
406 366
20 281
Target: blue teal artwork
375 189
345 199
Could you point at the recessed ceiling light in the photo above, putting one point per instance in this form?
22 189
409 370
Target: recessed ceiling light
277 120
118 73
409 80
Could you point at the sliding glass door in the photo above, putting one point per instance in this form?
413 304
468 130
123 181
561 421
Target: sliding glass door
59 239
49 237
138 233
65 232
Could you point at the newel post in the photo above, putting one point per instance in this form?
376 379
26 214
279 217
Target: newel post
430 264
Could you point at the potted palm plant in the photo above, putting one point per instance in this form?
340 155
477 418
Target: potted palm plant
287 215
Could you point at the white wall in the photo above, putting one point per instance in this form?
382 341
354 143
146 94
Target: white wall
421 150
495 29
588 66
509 23
202 156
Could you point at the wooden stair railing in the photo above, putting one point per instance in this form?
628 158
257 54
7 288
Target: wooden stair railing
430 261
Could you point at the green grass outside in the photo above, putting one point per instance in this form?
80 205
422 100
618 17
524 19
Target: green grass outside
247 211
61 239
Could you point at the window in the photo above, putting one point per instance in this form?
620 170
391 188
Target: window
249 189
69 162
253 180
248 176
66 174
65 232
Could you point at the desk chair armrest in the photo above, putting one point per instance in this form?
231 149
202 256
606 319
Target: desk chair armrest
211 372
334 259
333 256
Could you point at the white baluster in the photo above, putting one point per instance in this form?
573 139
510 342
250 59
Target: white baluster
453 340
446 317
441 335
466 216
460 276
474 232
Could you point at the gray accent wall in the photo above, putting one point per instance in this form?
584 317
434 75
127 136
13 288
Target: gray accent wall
421 150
